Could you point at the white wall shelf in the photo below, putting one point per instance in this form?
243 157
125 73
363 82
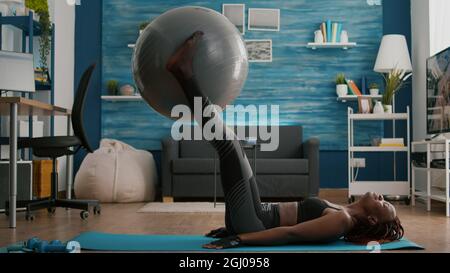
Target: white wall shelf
378 149
355 98
122 98
388 188
344 46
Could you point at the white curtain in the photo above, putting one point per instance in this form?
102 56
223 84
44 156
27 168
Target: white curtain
439 40
439 25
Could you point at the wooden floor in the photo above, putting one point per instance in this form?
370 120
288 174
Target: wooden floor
430 229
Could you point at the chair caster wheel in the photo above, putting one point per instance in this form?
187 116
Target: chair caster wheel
97 210
29 217
84 215
51 210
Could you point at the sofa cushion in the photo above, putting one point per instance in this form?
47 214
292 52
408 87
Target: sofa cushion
269 186
263 166
281 166
289 144
194 166
289 140
196 149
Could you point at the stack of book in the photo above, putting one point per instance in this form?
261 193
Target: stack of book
392 142
41 76
331 31
353 88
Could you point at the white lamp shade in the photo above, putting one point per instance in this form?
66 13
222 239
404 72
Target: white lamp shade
393 54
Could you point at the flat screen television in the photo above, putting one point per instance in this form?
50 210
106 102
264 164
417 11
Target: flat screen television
438 93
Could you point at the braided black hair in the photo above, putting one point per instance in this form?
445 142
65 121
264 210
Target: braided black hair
364 233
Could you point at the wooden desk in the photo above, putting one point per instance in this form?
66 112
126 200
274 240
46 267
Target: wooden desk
18 106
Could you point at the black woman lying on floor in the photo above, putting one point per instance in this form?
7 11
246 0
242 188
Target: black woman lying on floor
250 222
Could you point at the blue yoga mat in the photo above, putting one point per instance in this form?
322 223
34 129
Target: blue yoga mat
193 243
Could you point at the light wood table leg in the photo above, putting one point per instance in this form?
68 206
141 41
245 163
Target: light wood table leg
12 164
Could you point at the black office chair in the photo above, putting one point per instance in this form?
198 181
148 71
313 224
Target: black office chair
54 147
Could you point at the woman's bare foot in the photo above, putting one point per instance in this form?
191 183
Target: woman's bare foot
180 64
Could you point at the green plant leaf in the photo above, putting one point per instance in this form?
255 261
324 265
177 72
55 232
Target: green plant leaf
340 79
41 8
393 82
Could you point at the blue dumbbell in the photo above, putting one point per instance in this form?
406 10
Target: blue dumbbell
36 245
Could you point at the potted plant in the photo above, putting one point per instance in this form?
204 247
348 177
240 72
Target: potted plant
113 87
142 26
394 81
40 8
341 85
374 90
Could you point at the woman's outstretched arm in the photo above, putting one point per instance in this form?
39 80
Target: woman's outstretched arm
324 229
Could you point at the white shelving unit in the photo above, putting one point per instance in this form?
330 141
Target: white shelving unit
344 46
355 98
122 98
430 193
387 188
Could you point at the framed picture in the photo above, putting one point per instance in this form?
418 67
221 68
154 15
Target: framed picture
259 50
365 105
264 19
236 14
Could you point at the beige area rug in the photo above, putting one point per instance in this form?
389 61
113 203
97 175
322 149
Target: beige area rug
183 207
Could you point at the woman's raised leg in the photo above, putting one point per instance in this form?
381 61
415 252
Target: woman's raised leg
244 212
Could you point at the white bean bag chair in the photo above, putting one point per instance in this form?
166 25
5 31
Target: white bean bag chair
117 173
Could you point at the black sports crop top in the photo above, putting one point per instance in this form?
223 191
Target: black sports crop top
310 209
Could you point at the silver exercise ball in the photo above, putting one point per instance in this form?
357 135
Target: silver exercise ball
220 62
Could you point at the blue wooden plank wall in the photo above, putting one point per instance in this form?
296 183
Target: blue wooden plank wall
300 80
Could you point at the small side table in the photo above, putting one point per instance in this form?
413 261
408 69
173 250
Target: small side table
439 146
246 145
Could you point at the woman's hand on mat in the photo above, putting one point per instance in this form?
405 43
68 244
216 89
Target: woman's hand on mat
228 242
218 233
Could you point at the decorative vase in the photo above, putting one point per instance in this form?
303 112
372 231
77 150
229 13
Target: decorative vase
341 90
374 92
376 141
378 108
318 37
127 90
344 37
387 109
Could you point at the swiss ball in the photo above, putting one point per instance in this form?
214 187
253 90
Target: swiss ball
220 61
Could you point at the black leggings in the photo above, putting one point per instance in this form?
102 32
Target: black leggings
244 211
